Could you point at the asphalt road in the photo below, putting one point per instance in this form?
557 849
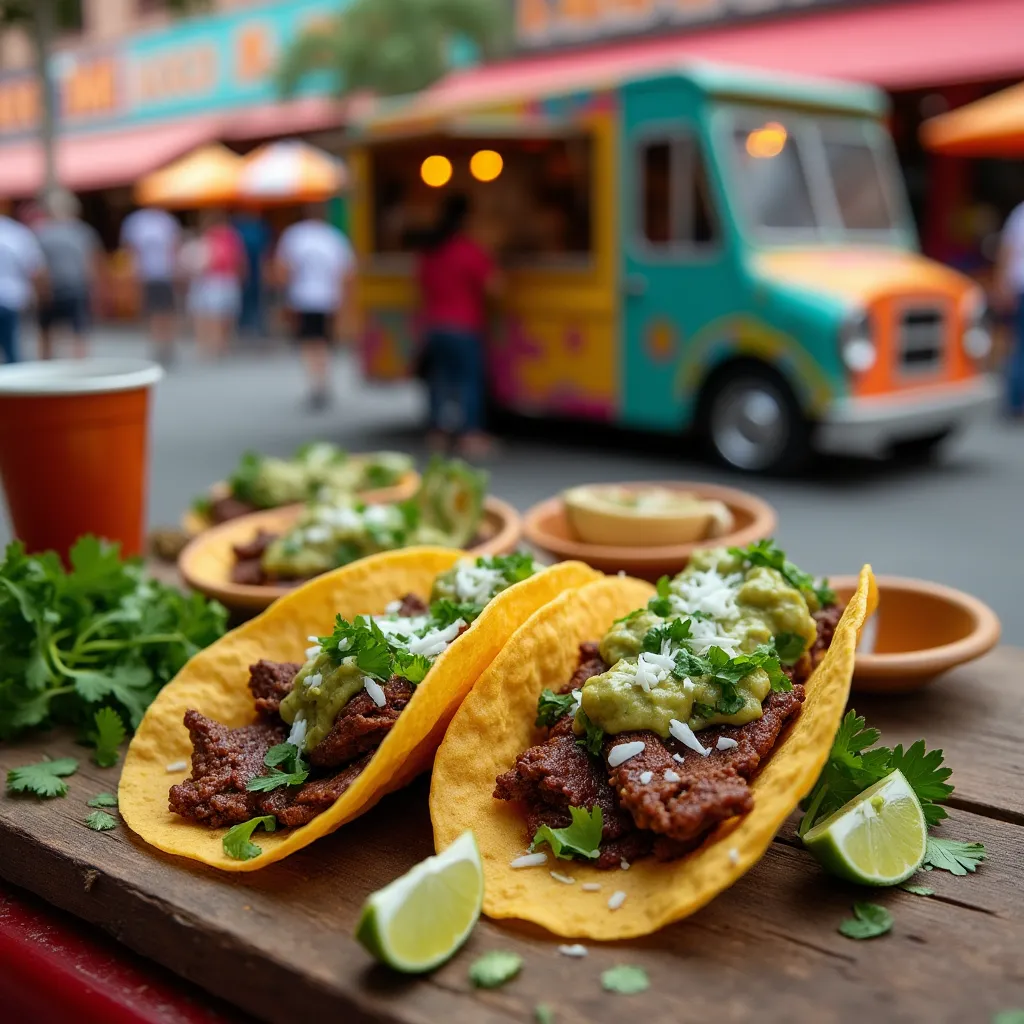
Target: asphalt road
959 521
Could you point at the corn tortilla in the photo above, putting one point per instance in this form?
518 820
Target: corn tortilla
215 682
496 723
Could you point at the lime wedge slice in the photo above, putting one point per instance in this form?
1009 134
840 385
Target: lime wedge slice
878 838
419 920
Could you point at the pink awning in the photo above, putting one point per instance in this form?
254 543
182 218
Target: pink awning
101 160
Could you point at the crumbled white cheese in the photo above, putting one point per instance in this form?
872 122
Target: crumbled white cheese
682 732
724 743
177 766
649 671
646 777
617 899
313 680
564 879
529 860
591 886
671 776
624 864
436 641
624 751
313 652
297 736
678 757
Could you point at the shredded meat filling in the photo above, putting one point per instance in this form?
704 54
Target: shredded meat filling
270 682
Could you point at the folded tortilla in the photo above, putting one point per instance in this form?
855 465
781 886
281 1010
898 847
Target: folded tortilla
215 683
496 723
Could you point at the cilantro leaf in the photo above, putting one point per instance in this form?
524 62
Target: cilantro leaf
413 667
625 979
45 779
868 922
109 734
103 800
924 772
495 968
673 632
955 857
917 890
276 779
580 839
768 554
551 706
236 842
661 605
444 612
281 753
593 735
515 567
100 821
543 1014
1009 1017
789 647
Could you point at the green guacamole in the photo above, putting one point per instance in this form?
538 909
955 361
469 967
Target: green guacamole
322 703
626 637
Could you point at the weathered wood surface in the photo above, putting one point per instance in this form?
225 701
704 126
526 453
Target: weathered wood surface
278 942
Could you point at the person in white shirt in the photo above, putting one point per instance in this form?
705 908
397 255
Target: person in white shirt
153 236
22 274
315 265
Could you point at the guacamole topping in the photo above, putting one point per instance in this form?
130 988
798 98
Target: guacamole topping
446 512
365 653
709 648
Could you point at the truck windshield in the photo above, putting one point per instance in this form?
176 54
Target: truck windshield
813 179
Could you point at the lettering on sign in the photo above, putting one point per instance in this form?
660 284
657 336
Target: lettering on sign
90 89
175 75
19 105
255 53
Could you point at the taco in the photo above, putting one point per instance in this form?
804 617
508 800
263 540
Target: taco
332 531
299 727
317 470
669 732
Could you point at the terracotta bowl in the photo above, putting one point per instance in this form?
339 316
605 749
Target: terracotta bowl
920 630
207 560
193 522
546 527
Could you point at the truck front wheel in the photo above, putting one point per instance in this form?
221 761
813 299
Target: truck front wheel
751 420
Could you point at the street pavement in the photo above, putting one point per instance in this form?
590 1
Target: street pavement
959 520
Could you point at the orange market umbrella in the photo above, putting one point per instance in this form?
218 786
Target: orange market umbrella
206 177
290 171
993 126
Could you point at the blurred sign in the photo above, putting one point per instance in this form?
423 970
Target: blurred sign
196 65
548 23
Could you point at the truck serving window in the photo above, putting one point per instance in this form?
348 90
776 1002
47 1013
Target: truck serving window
675 207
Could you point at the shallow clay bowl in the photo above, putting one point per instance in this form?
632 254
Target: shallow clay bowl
546 527
919 631
193 522
207 560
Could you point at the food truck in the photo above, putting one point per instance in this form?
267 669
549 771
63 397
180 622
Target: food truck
699 250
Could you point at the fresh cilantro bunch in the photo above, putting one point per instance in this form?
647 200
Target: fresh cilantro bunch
852 767
768 554
98 635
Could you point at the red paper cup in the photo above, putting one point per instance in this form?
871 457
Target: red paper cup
74 450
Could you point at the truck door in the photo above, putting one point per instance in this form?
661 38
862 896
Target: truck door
675 275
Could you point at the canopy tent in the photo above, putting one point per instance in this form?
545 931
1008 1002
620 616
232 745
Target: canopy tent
206 177
289 171
993 126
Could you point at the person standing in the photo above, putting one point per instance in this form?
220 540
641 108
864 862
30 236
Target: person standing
254 232
316 265
73 252
456 278
22 271
216 290
152 236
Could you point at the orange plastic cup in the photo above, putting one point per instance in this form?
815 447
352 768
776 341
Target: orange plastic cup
74 450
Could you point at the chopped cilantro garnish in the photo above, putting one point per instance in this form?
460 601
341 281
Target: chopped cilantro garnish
868 922
661 605
236 842
580 839
768 554
293 773
789 647
551 706
44 779
100 821
515 567
593 735
673 632
108 735
103 800
495 968
444 612
625 979
705 711
955 857
412 667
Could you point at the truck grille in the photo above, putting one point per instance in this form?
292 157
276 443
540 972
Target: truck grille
920 337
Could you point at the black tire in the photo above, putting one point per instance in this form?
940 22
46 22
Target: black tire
921 450
751 421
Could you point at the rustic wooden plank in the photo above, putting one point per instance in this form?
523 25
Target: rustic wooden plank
278 942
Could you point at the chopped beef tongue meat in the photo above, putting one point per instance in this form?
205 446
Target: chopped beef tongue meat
362 725
230 507
271 682
827 619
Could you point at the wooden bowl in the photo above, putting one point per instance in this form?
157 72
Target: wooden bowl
207 560
546 527
919 631
192 522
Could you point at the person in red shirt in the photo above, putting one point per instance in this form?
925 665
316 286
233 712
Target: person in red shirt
217 266
456 278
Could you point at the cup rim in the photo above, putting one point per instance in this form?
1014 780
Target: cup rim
90 376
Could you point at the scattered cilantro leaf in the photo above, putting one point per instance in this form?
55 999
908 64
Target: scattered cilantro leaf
768 554
661 605
925 773
580 839
868 922
551 706
593 735
103 800
495 968
543 1014
108 735
955 857
276 779
789 646
45 779
282 753
917 890
625 979
100 821
1009 1017
236 842
293 773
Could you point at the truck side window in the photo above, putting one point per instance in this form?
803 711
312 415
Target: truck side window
676 208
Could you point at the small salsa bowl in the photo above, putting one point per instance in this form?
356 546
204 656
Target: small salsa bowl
920 630
546 526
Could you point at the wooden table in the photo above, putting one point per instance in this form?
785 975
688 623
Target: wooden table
278 942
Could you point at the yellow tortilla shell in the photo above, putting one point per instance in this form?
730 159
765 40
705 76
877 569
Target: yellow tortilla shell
495 724
215 682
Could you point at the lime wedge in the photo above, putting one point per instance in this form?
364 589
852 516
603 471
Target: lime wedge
878 838
419 920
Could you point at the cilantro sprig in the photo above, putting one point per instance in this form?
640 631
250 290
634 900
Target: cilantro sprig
953 856
108 734
286 769
237 842
493 969
768 554
552 706
582 838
